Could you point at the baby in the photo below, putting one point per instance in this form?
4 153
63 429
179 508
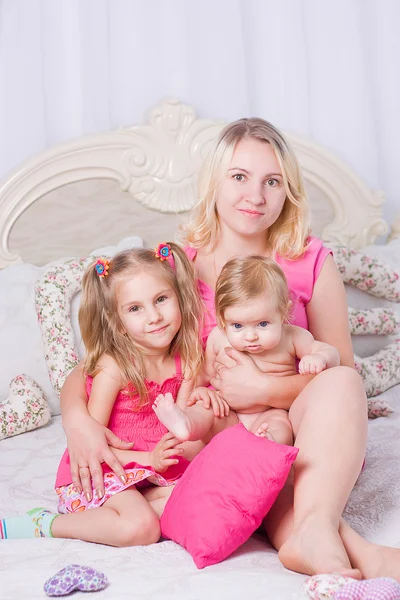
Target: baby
252 308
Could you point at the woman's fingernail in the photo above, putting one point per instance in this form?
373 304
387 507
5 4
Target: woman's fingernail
123 478
99 494
88 497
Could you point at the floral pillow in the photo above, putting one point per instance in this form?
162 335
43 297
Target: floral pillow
24 409
381 370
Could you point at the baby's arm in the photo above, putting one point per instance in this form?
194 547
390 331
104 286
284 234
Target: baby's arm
315 356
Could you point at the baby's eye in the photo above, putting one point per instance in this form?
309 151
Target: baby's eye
272 182
133 309
238 177
161 299
263 323
236 326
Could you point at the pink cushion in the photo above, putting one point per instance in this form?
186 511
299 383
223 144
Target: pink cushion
225 493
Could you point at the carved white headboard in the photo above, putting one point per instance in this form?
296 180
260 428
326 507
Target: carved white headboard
142 180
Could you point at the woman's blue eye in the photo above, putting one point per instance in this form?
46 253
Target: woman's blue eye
272 182
237 326
263 323
133 309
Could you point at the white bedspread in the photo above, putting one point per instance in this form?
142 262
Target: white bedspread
165 571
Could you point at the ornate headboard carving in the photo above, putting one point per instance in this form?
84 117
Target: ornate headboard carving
158 162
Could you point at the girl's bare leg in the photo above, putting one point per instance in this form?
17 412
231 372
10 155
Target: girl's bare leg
329 420
157 497
126 519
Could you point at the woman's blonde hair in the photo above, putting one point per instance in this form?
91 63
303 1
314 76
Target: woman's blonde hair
101 326
243 279
288 235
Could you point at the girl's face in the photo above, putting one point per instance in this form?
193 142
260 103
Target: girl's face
255 326
149 311
252 194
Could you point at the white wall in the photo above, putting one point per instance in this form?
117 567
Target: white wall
328 69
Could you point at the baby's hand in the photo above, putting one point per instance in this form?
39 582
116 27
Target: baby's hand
312 364
209 398
160 456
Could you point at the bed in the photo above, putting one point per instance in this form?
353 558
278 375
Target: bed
93 192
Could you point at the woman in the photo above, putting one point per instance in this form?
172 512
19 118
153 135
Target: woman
252 201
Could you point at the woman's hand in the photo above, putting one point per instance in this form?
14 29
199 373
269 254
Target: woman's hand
160 456
88 447
209 398
242 385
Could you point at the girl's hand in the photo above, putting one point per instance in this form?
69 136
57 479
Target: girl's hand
160 456
88 446
243 385
312 364
209 398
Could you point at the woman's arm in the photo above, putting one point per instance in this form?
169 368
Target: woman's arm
244 385
92 448
327 312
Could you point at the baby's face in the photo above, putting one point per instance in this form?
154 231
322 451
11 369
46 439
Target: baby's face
255 326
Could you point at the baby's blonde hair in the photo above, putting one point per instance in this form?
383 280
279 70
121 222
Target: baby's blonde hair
288 235
101 326
243 279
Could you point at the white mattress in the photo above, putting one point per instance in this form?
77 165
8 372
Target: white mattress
165 571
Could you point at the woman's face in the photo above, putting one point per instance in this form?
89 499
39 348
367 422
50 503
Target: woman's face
252 194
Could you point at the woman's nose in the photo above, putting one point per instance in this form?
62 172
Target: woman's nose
256 195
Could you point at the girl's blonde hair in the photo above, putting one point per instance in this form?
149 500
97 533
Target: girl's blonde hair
101 326
288 235
243 279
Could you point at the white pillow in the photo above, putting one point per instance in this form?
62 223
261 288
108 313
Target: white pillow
21 347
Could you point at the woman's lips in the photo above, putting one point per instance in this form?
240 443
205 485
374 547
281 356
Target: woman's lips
250 213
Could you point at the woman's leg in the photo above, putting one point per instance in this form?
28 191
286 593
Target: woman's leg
126 519
373 560
329 420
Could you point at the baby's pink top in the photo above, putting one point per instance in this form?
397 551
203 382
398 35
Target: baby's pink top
129 423
301 275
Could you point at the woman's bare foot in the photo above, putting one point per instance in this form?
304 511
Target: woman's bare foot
262 431
314 548
170 415
372 560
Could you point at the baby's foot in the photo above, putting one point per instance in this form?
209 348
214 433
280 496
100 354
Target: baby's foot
170 415
262 431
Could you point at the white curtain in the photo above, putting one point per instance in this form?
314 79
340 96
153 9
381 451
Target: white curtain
327 69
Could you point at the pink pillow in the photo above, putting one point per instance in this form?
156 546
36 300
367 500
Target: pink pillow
225 493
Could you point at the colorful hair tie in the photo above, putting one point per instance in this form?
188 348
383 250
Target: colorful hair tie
163 251
101 267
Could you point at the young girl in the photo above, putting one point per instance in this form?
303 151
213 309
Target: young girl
140 319
252 306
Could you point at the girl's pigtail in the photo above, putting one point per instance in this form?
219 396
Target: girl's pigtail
188 339
93 320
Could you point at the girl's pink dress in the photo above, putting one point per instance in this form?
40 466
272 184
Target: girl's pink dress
133 425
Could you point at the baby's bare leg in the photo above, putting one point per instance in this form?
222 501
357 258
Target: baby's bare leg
274 424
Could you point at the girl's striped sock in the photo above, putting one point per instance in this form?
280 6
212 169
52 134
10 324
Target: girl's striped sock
36 523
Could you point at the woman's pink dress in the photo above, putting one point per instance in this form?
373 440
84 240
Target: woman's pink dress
301 275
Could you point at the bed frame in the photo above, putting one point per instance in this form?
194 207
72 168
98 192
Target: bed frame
152 169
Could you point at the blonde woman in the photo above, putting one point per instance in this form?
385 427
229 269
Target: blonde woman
252 201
